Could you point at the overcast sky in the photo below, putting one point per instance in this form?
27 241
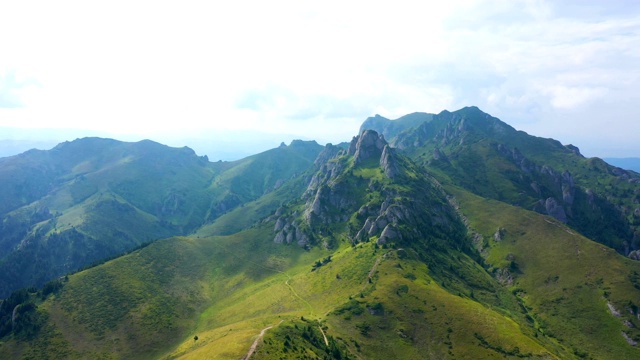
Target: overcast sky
316 69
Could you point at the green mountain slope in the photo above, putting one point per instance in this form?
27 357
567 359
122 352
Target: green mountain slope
91 199
580 294
372 261
101 197
248 179
490 158
447 246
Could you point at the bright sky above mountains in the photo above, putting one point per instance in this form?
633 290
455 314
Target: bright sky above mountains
316 69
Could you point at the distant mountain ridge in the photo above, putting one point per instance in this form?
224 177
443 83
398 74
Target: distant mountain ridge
492 159
630 163
228 145
391 128
93 198
14 147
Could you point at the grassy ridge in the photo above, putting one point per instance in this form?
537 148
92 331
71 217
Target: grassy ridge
103 197
406 314
248 179
225 290
533 289
92 198
287 294
563 280
474 150
143 304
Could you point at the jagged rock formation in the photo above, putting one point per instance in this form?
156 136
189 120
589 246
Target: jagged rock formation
328 198
385 213
554 209
365 146
388 162
629 339
545 181
385 221
492 159
329 151
560 198
289 231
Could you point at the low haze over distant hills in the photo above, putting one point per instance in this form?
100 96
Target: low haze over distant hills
217 145
625 163
430 236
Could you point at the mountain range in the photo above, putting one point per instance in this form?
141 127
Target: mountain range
447 235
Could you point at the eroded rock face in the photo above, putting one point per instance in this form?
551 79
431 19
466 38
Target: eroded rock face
280 223
328 204
329 199
288 231
388 162
613 310
367 145
555 210
568 188
395 212
548 181
388 234
629 339
504 277
329 152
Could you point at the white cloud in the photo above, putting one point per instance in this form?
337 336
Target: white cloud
564 97
318 68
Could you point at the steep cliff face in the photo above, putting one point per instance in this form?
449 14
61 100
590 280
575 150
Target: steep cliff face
369 144
391 128
378 194
490 158
555 193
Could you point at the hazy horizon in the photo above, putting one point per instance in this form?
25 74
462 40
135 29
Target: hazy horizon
565 70
225 145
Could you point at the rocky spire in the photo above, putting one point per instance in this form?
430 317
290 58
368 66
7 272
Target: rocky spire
388 162
367 145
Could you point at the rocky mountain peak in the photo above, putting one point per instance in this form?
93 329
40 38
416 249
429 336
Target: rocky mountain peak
574 149
330 151
368 144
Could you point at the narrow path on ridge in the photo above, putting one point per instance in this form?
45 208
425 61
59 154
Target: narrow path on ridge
293 291
369 276
255 344
326 342
560 226
373 269
253 347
